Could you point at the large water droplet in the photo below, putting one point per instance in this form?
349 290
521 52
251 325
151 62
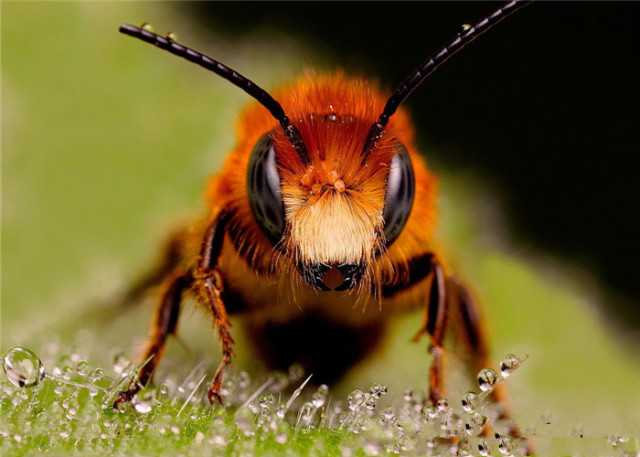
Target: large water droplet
508 364
23 367
487 379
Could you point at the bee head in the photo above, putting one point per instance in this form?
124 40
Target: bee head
332 215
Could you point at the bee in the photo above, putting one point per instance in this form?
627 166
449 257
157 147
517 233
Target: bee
319 227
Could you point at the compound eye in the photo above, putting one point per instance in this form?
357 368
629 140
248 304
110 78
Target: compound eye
401 189
263 181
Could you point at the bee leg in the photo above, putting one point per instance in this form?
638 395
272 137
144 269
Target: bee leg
208 286
474 336
435 325
164 324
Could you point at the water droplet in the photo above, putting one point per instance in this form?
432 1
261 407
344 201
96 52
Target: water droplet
429 412
377 390
443 404
266 400
296 372
504 446
320 396
172 36
82 368
370 403
371 448
483 448
219 440
23 367
463 29
487 379
142 402
98 374
355 399
508 364
147 27
120 363
469 402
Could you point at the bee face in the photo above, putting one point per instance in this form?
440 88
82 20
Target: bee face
336 213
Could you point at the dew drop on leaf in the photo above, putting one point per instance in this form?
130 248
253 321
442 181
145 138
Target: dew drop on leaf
469 402
355 399
508 364
487 379
142 402
23 367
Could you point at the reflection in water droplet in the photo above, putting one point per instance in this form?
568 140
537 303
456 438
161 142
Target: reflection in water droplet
23 367
463 29
266 400
98 374
172 36
355 399
142 402
320 396
487 379
469 402
443 404
508 364
83 368
483 448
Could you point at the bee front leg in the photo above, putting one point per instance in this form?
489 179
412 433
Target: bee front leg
164 324
208 287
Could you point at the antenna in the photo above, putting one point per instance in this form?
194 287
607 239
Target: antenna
466 36
230 75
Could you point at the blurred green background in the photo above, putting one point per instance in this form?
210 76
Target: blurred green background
107 145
